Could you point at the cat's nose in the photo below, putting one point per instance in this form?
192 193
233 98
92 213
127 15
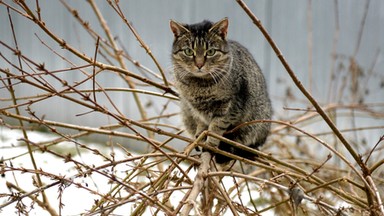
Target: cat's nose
199 65
199 62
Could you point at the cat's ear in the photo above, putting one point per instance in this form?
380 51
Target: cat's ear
177 28
221 27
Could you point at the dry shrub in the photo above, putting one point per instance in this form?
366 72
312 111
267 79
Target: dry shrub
307 156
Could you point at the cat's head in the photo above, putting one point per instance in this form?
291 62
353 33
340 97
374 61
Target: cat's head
201 49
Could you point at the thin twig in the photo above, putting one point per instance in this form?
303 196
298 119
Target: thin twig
198 183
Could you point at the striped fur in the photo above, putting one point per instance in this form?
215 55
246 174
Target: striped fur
220 86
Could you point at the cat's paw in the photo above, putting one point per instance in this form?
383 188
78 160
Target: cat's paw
211 141
199 130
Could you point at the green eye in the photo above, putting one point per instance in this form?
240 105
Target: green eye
210 52
188 52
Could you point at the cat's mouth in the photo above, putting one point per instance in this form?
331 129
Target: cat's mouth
201 72
205 74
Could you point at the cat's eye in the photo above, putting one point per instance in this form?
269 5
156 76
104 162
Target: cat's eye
188 52
210 52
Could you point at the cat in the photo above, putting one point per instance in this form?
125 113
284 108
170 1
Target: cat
220 87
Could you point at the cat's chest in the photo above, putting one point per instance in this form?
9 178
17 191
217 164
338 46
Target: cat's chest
207 103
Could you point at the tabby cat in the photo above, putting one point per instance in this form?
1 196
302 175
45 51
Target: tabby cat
220 86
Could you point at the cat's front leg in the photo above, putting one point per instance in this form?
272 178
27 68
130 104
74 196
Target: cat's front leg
200 128
217 126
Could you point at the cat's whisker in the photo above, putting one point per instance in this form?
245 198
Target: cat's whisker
213 75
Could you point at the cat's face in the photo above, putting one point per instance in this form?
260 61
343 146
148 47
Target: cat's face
200 50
